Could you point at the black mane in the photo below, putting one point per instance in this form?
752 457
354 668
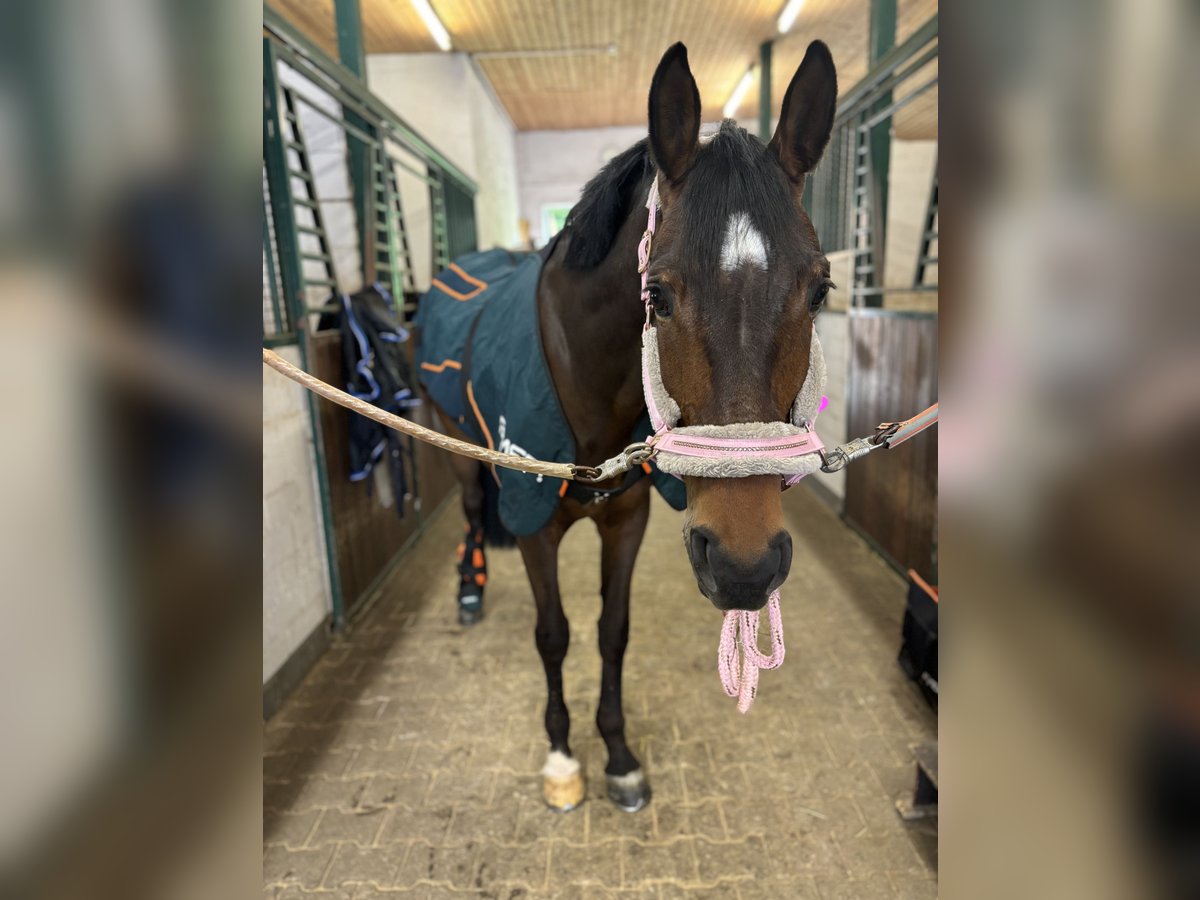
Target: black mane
594 221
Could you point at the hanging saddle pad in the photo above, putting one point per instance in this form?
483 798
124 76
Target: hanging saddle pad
480 358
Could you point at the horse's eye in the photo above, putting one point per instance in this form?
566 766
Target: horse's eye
818 297
660 300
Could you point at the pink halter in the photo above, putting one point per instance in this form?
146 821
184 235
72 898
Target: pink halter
752 448
732 448
647 239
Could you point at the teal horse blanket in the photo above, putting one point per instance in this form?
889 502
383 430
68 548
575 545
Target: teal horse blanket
480 358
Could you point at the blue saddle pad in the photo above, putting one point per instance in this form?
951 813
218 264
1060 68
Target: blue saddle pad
480 358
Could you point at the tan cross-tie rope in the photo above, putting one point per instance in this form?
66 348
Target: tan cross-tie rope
568 471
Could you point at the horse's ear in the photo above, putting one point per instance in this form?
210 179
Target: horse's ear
806 119
674 114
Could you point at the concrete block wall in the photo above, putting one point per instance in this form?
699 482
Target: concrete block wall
445 98
553 166
833 330
296 596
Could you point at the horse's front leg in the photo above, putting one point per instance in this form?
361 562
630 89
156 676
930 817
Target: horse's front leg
562 779
621 527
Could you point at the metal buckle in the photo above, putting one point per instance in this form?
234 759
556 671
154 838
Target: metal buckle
833 461
639 453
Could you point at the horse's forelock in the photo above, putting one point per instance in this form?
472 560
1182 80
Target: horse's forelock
735 178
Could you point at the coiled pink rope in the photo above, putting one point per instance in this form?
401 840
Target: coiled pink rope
741 681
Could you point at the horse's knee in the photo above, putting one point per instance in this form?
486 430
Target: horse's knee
551 645
472 497
613 641
613 653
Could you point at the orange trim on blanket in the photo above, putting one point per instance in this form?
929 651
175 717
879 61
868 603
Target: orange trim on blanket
442 366
480 286
482 425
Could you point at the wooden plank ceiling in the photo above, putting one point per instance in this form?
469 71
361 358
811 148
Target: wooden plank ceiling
587 90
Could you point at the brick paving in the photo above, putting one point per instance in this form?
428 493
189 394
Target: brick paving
406 764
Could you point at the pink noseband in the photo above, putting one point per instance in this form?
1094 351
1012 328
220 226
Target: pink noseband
720 448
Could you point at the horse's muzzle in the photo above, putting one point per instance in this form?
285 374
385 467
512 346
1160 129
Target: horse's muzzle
734 584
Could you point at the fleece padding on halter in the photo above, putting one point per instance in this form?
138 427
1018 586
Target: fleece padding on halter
767 448
662 407
808 401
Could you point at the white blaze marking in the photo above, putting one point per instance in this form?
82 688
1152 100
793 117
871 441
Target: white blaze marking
743 245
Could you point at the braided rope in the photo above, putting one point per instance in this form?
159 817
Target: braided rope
741 681
507 460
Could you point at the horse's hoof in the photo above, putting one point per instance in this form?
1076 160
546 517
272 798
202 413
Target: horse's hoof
470 610
629 792
562 782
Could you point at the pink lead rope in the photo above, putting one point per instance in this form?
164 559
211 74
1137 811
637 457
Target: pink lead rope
743 624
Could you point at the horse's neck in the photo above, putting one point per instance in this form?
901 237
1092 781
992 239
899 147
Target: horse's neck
591 331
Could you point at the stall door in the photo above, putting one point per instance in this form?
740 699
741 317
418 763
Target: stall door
891 495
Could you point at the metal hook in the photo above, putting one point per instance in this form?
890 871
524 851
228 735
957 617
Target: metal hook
841 456
631 456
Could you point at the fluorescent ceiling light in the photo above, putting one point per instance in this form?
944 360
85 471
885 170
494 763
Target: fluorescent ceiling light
735 99
787 18
433 23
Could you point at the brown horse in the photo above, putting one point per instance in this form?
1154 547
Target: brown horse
735 280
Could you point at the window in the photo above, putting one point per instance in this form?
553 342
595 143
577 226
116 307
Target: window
554 216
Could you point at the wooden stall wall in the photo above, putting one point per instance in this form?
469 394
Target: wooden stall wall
891 495
369 535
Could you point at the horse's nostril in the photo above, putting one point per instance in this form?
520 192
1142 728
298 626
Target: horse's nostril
699 546
783 544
